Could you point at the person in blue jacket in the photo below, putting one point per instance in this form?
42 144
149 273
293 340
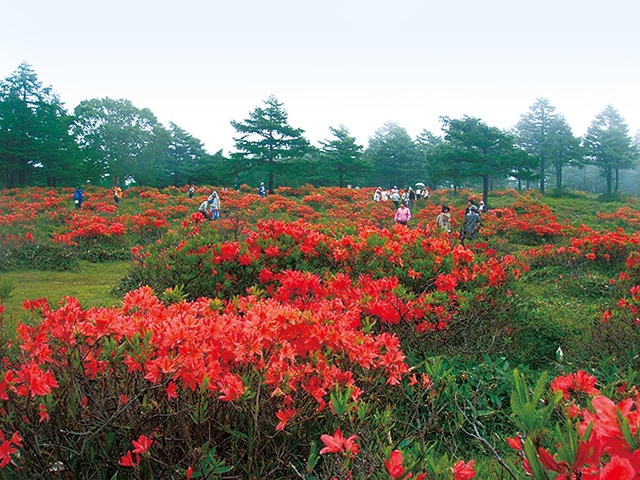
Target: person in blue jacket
78 197
261 190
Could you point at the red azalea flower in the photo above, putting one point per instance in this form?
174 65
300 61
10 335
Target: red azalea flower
171 391
333 443
338 444
618 469
394 464
284 416
577 382
462 471
141 445
127 460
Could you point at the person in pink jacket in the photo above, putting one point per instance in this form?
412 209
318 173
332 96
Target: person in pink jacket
403 214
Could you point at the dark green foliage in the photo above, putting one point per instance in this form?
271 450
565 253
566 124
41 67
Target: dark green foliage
473 150
394 158
36 145
341 158
121 141
609 146
266 141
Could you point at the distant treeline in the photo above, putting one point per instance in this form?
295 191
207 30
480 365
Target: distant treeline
106 141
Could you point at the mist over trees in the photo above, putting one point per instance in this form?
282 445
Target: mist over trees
109 141
546 135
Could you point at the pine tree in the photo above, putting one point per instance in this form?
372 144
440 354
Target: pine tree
266 141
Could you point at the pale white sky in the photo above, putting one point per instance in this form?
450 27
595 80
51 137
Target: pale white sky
359 63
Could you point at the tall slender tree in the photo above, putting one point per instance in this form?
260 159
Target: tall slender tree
609 146
342 156
266 140
546 134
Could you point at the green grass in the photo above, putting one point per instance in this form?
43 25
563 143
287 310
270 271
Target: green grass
91 284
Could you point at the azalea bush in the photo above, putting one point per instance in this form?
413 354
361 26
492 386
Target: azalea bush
205 386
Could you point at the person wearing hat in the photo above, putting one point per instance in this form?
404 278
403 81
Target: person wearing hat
395 196
443 220
261 190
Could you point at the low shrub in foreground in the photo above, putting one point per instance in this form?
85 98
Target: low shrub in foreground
162 388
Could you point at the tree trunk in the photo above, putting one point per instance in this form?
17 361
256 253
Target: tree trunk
270 182
485 190
616 188
559 179
542 174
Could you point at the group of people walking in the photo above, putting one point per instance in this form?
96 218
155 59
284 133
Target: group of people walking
408 196
472 220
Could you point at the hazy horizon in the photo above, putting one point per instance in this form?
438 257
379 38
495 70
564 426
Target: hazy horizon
360 64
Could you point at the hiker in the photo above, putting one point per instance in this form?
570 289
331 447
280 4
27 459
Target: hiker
403 214
471 224
191 192
261 190
377 196
117 193
205 208
482 208
443 220
78 197
395 196
215 206
412 197
470 203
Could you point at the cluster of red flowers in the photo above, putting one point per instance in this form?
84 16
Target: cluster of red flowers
293 346
606 444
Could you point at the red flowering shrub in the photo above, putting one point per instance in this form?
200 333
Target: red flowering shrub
597 440
190 360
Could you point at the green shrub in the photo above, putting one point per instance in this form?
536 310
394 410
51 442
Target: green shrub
39 256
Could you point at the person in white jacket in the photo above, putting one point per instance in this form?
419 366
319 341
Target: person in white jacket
215 206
